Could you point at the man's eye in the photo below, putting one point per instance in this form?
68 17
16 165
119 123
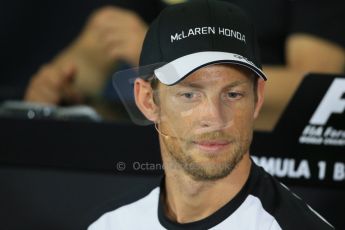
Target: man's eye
189 95
234 95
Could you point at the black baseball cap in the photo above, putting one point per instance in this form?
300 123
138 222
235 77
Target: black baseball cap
186 37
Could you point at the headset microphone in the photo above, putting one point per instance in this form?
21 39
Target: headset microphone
160 133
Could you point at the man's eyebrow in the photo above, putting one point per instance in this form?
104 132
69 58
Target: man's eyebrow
201 86
236 83
191 84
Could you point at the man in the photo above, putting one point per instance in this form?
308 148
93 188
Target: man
204 103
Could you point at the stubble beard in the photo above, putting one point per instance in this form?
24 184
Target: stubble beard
209 171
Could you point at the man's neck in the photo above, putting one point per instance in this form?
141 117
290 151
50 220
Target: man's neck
188 200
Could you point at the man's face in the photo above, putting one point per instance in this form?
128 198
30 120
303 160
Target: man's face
209 117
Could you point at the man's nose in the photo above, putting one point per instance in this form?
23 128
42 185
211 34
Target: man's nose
212 114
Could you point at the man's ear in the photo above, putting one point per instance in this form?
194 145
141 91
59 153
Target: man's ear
143 94
260 97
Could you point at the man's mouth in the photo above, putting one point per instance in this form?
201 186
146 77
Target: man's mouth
211 145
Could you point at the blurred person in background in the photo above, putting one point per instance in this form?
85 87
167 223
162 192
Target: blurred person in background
295 37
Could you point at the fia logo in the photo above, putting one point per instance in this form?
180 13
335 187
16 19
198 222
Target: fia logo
332 103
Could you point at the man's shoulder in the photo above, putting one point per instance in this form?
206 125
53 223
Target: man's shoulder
290 211
293 209
138 213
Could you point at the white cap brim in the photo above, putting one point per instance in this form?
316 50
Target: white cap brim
177 70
